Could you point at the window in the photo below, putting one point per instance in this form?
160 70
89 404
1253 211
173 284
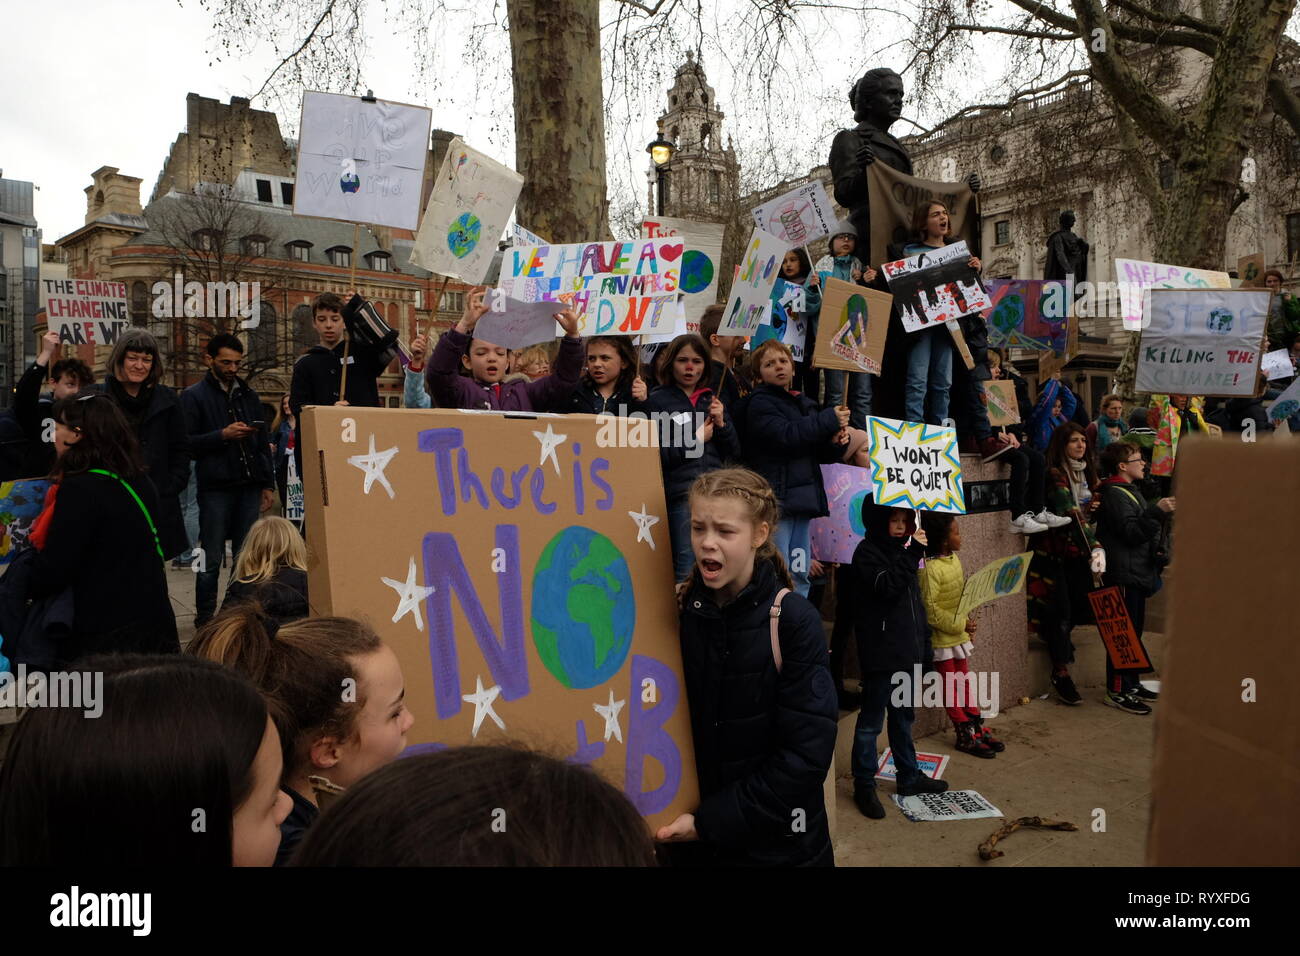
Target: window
286 193
392 402
1165 172
715 187
340 256
1292 236
452 302
299 250
139 304
262 340
302 330
706 136
203 240
1002 232
378 261
666 191
264 190
998 153
255 246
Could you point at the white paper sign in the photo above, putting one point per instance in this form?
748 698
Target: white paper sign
361 162
785 320
85 311
518 324
1137 278
294 507
935 287
950 805
1286 404
701 260
1277 364
799 216
467 214
1202 342
751 292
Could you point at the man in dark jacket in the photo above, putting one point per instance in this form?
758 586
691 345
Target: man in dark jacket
26 436
893 636
1129 531
231 449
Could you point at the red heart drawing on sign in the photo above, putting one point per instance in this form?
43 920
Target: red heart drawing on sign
669 253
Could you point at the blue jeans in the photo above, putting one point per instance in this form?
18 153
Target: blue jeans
190 510
929 375
223 515
860 388
791 536
679 531
876 690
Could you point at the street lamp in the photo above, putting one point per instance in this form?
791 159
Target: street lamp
661 154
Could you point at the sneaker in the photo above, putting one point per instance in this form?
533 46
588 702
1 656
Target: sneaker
864 795
969 742
1063 684
991 447
920 784
1052 520
1141 693
1027 524
1128 703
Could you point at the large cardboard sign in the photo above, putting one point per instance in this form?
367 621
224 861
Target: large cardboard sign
85 311
1002 407
915 465
753 286
1028 314
835 537
852 329
1137 278
520 569
935 287
361 161
1202 342
894 195
997 579
467 213
21 502
798 216
701 261
617 288
1117 631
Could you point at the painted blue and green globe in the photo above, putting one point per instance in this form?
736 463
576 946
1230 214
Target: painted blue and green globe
1006 578
463 235
584 611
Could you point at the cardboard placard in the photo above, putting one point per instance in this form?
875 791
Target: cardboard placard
361 161
759 269
1003 408
798 216
85 311
1028 314
519 567
1202 342
835 537
467 213
701 262
892 197
21 502
854 323
617 288
1250 270
935 286
915 465
1136 280
997 579
1117 631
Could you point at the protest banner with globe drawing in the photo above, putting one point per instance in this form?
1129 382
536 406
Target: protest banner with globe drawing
997 579
529 576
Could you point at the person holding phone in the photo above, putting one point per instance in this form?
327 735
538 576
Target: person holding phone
232 454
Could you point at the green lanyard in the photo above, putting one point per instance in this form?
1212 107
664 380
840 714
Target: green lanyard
143 510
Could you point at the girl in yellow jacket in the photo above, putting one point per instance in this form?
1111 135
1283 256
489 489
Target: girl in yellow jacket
942 580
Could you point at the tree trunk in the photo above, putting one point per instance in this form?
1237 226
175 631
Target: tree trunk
559 118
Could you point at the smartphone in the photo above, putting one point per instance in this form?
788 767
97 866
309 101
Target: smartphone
257 423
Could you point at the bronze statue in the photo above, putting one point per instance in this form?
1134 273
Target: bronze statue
1067 254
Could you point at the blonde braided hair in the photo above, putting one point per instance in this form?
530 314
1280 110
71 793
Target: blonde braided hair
760 501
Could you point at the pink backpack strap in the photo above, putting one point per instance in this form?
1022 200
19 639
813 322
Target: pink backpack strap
774 617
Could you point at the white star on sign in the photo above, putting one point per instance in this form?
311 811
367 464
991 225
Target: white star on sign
409 595
643 522
549 441
482 701
610 713
373 465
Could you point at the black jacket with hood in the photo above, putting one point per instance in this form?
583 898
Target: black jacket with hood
764 740
785 436
683 465
888 613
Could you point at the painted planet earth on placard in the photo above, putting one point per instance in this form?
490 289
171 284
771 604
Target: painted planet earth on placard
855 512
1220 321
463 235
855 314
584 609
697 271
1005 581
349 182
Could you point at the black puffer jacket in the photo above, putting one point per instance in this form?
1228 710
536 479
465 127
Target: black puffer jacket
763 741
888 613
585 400
1128 529
786 436
680 470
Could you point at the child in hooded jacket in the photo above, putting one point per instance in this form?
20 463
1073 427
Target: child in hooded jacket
486 386
842 263
611 383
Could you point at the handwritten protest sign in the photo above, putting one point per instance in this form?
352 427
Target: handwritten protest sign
1250 270
835 537
1276 364
701 261
361 161
1202 341
1028 314
1136 280
515 324
471 203
1286 404
521 572
798 216
1002 407
935 287
854 323
85 311
519 236
1117 631
915 465
753 286
294 508
618 288
893 195
785 320
997 579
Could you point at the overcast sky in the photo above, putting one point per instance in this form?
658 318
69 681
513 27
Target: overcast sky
100 83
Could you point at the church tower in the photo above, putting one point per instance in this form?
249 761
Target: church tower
701 180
